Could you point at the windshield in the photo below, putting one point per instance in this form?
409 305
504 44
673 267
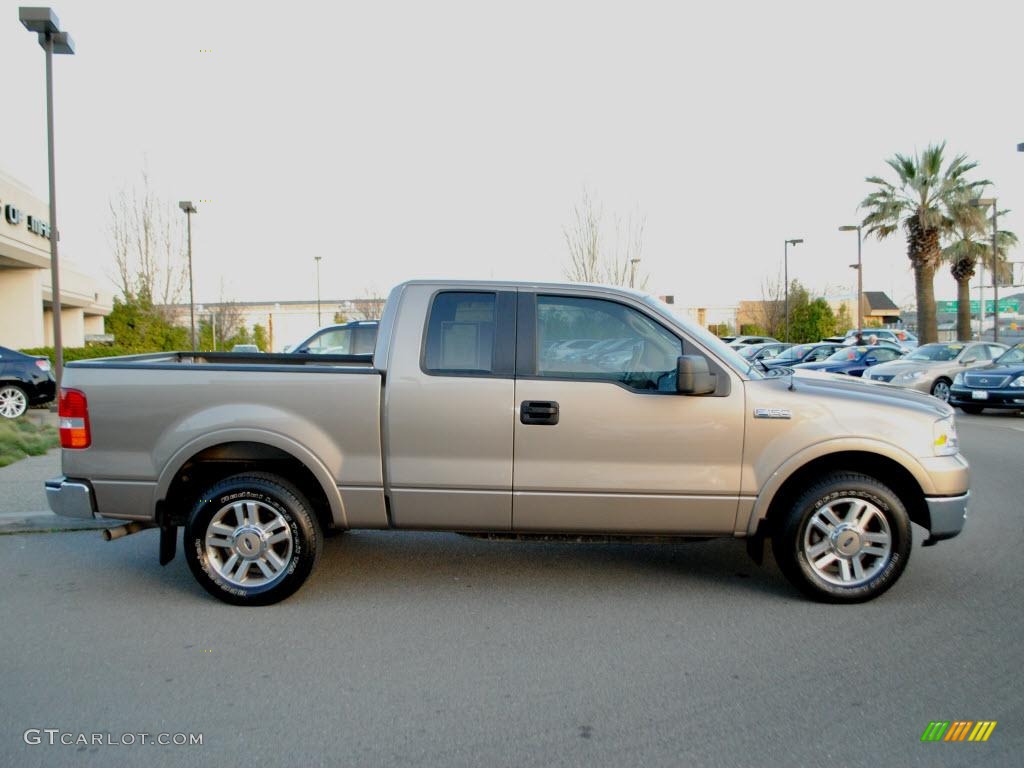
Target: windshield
794 353
937 352
707 338
1014 355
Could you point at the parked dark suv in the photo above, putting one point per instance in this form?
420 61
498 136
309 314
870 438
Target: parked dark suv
999 385
24 380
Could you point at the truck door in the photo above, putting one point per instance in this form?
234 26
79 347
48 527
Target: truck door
448 409
603 442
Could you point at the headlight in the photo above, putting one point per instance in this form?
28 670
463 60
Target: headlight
958 379
1018 382
913 375
944 441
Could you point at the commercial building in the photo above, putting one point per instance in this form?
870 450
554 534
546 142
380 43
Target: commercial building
26 294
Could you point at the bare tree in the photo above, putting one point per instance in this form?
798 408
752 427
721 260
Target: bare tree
148 246
592 258
371 305
772 309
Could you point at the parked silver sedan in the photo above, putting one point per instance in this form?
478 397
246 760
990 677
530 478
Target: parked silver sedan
932 367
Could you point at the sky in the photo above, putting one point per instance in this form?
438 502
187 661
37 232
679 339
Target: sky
399 140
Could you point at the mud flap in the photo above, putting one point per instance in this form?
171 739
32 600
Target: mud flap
168 543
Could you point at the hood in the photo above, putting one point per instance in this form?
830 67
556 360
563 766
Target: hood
894 367
1010 369
826 384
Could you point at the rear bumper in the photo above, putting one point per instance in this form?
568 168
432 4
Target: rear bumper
947 515
70 498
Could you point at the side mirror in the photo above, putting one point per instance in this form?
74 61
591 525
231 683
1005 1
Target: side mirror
693 376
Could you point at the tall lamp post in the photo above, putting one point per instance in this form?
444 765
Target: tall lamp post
985 202
785 275
189 209
319 323
859 266
46 25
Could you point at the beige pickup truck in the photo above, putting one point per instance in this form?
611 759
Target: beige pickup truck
508 410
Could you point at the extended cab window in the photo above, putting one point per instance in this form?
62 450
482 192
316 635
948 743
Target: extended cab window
604 341
460 334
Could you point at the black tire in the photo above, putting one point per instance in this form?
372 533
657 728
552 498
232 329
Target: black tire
273 501
797 526
974 410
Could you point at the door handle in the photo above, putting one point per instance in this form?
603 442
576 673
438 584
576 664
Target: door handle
538 412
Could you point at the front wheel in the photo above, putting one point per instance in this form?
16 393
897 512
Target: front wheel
940 389
846 539
252 539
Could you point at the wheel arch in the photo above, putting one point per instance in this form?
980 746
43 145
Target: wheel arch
217 455
905 483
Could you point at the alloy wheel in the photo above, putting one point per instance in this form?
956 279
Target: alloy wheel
13 402
249 543
847 542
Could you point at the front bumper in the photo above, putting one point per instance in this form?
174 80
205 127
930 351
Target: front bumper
996 398
947 515
70 498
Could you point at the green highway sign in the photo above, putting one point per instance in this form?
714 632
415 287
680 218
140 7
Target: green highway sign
1005 305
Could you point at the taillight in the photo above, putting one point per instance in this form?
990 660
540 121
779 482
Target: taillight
74 419
43 365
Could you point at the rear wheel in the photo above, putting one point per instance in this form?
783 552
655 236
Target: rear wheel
846 539
13 401
940 389
252 539
974 410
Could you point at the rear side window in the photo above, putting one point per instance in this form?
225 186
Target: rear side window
461 334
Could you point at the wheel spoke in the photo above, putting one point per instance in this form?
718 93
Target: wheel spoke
844 569
829 516
855 511
822 525
818 549
858 567
867 514
880 551
239 508
268 571
282 536
275 561
826 560
876 538
243 571
219 541
220 529
229 564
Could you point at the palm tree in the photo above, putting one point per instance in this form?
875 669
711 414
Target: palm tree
921 203
970 241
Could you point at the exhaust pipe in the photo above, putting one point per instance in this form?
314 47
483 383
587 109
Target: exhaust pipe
110 534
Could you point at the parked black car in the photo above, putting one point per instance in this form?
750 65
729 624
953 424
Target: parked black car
24 380
356 338
999 385
803 353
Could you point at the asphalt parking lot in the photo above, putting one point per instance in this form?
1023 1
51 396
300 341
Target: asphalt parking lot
439 650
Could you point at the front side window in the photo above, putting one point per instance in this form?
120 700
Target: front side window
460 334
601 340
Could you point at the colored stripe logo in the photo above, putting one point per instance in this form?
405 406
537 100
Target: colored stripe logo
958 730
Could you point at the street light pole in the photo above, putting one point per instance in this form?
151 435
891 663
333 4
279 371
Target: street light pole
859 266
785 276
632 272
46 25
189 209
319 322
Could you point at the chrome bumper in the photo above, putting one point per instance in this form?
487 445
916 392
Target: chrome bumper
70 498
947 515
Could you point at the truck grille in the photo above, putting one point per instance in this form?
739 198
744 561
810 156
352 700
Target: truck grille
985 381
